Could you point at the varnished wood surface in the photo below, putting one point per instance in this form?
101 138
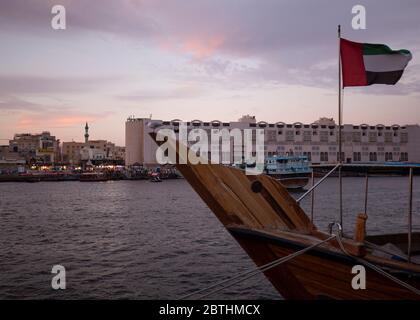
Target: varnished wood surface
316 276
261 203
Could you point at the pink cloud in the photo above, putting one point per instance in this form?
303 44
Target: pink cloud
35 121
203 47
198 46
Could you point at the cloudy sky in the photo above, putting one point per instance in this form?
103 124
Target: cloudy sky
189 59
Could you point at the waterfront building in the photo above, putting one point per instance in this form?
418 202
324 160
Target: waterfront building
71 152
92 151
362 143
101 150
42 148
10 160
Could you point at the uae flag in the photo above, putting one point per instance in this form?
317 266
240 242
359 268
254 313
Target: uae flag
364 64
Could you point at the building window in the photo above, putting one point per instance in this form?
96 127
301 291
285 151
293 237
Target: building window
307 136
271 136
357 156
373 156
308 155
297 133
324 136
388 156
356 136
372 136
403 156
289 135
324 156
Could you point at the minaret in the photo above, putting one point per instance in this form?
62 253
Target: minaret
86 133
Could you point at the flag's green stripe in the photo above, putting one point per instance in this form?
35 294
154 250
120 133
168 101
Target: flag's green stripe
371 49
390 77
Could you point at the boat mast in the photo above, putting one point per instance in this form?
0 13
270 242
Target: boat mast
339 158
339 96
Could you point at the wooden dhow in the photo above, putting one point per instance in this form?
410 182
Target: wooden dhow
269 224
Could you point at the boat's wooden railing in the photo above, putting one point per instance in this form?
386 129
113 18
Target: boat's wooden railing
359 227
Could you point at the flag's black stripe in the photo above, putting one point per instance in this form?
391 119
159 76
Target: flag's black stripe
389 77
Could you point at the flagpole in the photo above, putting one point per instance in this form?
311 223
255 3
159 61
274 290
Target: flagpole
339 128
339 95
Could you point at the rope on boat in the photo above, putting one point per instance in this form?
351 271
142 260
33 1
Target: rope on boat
248 274
390 252
376 268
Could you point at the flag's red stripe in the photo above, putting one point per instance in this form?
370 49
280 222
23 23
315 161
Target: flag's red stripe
353 67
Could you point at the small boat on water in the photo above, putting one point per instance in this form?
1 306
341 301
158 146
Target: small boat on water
293 172
271 226
93 177
155 177
31 178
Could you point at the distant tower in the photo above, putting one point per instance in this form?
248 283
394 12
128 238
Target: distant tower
86 133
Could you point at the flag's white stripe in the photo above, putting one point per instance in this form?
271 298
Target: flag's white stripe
385 62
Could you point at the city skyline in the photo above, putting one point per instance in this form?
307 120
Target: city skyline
193 59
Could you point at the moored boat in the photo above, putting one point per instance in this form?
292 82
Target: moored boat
23 177
93 177
31 178
270 225
293 172
155 177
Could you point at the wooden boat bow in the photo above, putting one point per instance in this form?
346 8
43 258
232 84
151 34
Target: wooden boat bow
268 223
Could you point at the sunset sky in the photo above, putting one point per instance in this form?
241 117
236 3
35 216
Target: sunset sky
193 59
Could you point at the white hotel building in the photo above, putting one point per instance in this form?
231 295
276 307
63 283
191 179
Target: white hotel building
319 140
